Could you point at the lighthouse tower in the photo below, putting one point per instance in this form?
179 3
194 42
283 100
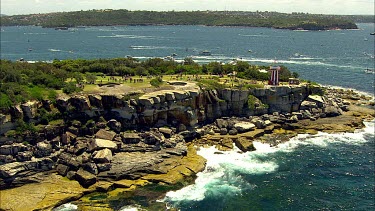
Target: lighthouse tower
274 75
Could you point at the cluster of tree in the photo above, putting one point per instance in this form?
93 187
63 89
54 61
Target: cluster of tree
210 18
22 81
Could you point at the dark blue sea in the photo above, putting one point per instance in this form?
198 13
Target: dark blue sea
320 172
338 57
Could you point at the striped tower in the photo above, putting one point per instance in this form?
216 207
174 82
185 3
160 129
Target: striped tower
274 75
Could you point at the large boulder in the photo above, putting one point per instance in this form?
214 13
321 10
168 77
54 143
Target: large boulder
43 149
105 134
130 138
114 125
221 123
103 156
62 169
166 132
244 126
316 99
98 144
332 111
85 178
244 144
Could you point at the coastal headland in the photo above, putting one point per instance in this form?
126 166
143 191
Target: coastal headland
109 17
111 144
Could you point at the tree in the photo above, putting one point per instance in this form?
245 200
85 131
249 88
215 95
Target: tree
91 78
141 71
78 77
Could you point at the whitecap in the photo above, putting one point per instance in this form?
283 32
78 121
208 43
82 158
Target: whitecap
127 36
54 50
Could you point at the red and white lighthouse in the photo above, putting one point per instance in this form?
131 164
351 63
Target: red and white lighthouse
274 75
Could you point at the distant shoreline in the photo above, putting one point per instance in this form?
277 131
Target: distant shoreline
275 20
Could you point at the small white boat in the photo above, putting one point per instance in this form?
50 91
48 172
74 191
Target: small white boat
205 53
370 71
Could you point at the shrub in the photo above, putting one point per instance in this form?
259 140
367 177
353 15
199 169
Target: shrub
156 82
5 102
211 84
71 87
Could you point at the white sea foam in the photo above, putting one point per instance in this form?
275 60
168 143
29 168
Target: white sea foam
222 175
66 207
54 50
143 47
31 33
357 91
131 208
127 36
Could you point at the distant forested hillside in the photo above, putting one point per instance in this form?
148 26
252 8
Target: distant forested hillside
209 18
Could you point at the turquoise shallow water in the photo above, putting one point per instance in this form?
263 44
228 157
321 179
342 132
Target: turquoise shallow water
323 172
329 57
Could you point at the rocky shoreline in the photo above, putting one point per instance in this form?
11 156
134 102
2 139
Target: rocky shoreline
115 143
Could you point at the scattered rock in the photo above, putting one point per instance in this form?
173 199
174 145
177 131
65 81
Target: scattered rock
85 178
233 132
244 126
98 144
114 125
105 134
166 132
103 156
244 144
62 169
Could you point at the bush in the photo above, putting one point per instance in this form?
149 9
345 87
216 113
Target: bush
211 84
71 87
5 102
156 82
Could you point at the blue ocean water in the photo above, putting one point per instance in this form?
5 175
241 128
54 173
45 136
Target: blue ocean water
338 57
322 172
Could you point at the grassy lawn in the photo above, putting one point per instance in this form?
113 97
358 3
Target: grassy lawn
226 81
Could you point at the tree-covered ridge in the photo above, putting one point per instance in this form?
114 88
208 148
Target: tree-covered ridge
209 18
22 81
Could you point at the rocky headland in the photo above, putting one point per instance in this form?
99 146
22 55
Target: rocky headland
116 143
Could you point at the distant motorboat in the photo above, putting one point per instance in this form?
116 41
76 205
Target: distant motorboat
372 33
61 28
30 49
250 51
168 58
205 53
370 71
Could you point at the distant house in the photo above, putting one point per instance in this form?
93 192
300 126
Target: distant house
274 75
294 81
